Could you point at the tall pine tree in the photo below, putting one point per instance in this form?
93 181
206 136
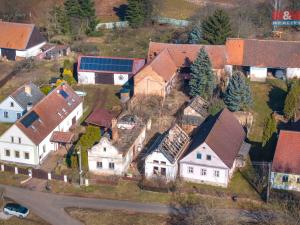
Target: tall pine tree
238 95
270 131
216 28
291 102
88 12
195 36
202 82
136 13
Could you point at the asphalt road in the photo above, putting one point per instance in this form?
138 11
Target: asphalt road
50 207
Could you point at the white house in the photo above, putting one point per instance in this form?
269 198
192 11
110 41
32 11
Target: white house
113 156
214 152
163 155
32 137
260 58
19 40
107 70
19 102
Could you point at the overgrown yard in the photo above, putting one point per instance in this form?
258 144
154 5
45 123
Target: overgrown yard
178 9
30 220
110 217
267 97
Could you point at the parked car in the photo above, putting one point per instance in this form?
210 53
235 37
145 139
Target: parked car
16 210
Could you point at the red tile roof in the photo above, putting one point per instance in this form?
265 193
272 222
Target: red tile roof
62 137
263 53
49 113
184 54
100 117
16 35
287 153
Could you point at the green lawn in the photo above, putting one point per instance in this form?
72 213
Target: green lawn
116 217
267 97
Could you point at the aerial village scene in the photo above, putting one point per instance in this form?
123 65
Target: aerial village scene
149 112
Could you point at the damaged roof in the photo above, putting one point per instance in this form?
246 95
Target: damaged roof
171 144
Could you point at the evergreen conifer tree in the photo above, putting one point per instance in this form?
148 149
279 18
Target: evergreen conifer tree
73 8
291 101
136 13
88 12
195 36
202 82
216 28
237 95
270 130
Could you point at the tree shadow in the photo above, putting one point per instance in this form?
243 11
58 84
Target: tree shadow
121 11
276 98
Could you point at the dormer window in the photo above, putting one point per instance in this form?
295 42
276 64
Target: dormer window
104 149
12 104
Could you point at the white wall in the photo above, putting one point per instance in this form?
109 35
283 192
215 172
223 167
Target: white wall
292 73
258 73
37 155
118 80
215 164
33 51
26 146
86 77
171 169
105 152
5 106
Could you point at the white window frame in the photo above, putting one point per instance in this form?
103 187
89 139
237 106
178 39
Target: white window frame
203 172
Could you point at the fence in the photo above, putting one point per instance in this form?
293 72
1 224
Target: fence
160 20
35 173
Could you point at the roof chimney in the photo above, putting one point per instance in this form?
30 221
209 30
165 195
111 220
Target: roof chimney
27 89
114 130
29 106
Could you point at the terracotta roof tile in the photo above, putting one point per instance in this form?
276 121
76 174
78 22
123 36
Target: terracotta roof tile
15 35
287 153
263 53
184 54
100 117
48 113
62 137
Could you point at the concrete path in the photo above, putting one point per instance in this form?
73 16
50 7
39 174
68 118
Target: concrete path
50 207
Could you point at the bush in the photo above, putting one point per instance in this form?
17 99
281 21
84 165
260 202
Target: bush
46 89
86 48
216 106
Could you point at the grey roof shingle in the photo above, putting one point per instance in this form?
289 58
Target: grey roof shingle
23 98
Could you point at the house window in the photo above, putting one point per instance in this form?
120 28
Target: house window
190 169
26 155
111 166
285 178
99 165
5 114
7 153
163 163
203 172
12 139
298 180
17 154
104 149
18 115
163 171
11 104
155 161
199 156
155 170
217 173
20 141
208 157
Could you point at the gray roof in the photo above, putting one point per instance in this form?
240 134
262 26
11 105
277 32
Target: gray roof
171 144
200 106
28 93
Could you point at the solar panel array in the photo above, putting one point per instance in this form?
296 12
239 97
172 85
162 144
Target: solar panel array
28 120
106 64
64 94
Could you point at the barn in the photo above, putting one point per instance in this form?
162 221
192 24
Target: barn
107 70
19 40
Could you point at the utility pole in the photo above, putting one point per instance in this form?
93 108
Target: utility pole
80 168
269 181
